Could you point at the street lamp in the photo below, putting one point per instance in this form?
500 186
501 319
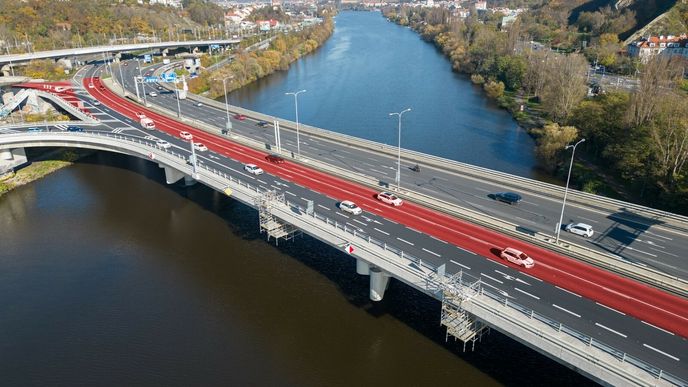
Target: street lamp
566 190
399 148
224 87
296 107
143 85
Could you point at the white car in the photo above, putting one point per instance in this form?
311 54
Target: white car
153 94
390 198
580 229
140 115
199 104
200 147
253 169
350 207
518 257
185 135
163 144
95 102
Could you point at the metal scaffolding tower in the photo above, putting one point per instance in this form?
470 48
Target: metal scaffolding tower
270 224
460 324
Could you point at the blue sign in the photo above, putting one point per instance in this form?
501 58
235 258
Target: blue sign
147 58
168 77
214 46
150 79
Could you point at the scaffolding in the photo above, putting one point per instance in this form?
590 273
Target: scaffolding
269 223
460 324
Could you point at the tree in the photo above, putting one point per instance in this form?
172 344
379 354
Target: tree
494 89
551 141
669 132
658 78
565 86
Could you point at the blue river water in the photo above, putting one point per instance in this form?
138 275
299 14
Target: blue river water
371 67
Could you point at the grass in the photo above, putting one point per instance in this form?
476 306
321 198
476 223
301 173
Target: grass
38 169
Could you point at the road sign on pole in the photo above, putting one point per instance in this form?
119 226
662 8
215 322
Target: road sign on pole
349 249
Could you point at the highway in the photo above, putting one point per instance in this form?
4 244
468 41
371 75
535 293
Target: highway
593 302
636 239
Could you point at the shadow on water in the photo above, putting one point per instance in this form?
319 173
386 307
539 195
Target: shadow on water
503 359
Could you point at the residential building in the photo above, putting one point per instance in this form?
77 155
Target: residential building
647 47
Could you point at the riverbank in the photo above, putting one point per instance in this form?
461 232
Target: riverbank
43 163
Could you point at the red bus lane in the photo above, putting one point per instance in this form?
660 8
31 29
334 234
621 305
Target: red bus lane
631 297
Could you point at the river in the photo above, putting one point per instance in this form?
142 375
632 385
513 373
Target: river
371 67
110 277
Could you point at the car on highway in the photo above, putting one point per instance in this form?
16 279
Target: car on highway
580 229
153 94
199 104
200 147
239 117
95 102
253 169
350 207
72 128
390 198
507 197
159 87
140 115
90 86
163 144
262 124
34 129
273 158
185 135
518 257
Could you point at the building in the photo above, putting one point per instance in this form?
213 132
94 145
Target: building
647 47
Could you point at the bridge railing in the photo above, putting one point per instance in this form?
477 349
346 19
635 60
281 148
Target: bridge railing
425 270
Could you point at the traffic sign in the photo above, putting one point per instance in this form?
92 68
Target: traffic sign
168 77
349 249
150 79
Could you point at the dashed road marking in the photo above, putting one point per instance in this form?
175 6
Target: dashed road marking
462 265
378 230
610 308
568 291
405 241
662 352
492 278
656 327
611 330
566 310
527 294
323 207
431 252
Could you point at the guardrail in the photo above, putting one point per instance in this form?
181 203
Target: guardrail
148 150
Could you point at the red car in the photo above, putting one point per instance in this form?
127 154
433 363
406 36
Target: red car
273 158
239 117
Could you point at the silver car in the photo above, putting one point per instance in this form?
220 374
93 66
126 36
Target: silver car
580 229
350 207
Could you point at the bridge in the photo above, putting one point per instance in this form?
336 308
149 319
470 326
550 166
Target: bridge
618 339
81 51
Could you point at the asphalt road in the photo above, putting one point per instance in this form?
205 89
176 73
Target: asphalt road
633 238
611 326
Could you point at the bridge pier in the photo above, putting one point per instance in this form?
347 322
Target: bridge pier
189 181
362 267
171 175
378 283
11 159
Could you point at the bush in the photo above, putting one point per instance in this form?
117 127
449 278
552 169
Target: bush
477 79
494 89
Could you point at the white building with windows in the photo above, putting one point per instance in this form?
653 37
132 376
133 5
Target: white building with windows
647 47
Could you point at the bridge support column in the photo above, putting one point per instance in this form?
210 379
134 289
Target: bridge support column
172 175
362 267
11 159
189 181
378 283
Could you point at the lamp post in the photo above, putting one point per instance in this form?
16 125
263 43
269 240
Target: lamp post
566 190
228 126
296 108
179 107
143 84
399 147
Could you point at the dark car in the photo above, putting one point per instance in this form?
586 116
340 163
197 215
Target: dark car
72 128
507 197
273 158
262 124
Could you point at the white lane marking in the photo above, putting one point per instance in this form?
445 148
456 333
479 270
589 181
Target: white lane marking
502 273
611 330
469 252
340 214
565 310
358 221
405 241
456 263
440 240
662 352
275 187
568 291
431 252
659 236
492 278
292 194
262 182
526 293
305 199
325 208
656 327
535 278
413 229
612 309
664 252
522 281
640 251
375 221
375 170
378 230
